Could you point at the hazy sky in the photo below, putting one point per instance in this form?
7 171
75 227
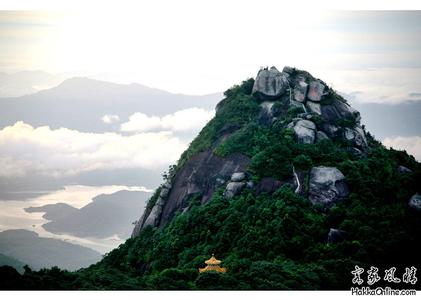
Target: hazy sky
198 47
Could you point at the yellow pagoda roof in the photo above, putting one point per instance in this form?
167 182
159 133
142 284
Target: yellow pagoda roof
213 265
212 261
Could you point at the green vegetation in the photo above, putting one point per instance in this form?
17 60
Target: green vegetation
347 122
153 199
331 96
276 241
236 110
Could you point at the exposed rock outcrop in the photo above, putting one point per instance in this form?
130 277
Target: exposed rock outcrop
238 176
321 136
314 107
266 113
288 70
300 91
404 170
327 186
331 130
356 136
335 117
336 236
415 202
305 131
314 113
315 91
268 185
233 189
270 83
201 175
153 217
339 110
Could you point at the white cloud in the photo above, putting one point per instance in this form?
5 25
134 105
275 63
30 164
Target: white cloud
140 122
183 120
411 144
63 151
110 119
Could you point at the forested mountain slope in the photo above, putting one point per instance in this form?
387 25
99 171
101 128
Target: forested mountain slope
284 185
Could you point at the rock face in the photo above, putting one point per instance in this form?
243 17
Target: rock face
153 217
321 136
288 70
336 236
404 170
315 91
356 136
233 189
200 176
300 91
339 110
266 113
238 176
270 83
415 202
314 107
327 186
268 185
305 131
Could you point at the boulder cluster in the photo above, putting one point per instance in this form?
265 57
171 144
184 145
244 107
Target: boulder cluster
237 183
325 114
326 186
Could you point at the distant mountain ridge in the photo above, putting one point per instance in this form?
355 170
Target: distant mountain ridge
28 82
91 99
80 103
84 86
39 252
105 216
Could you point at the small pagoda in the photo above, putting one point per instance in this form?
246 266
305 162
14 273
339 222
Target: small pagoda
213 265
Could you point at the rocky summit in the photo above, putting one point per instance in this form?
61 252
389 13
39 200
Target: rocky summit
315 113
321 105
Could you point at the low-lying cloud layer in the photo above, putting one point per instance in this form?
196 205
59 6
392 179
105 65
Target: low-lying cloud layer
411 144
60 152
182 120
147 142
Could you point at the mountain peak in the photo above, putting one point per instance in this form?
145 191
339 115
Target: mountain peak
291 108
85 85
320 104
